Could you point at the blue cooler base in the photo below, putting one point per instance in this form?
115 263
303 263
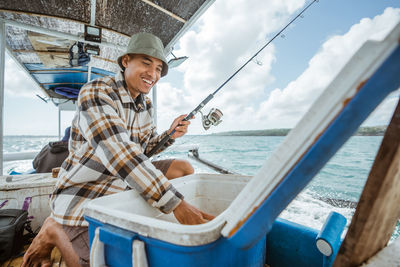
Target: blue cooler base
118 250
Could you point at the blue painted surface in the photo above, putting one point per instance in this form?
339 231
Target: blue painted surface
332 229
63 76
71 85
60 77
385 80
287 244
291 244
118 251
31 171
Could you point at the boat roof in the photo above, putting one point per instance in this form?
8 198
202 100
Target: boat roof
40 33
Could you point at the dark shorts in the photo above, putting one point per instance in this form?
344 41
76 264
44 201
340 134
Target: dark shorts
79 236
162 165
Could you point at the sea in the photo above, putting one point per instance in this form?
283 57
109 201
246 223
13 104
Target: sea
337 187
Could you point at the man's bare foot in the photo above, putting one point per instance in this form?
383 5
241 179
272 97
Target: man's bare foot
39 252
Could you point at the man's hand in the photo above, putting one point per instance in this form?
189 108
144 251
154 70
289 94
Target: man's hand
188 214
179 126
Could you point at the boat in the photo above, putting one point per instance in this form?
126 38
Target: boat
45 40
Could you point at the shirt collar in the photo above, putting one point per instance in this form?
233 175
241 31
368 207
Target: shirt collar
122 88
138 103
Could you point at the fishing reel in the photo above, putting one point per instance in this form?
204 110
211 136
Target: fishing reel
212 118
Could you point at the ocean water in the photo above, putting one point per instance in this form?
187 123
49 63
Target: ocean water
337 187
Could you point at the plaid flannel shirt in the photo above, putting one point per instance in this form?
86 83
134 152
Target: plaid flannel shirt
109 135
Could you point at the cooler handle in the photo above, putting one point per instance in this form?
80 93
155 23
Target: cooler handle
97 251
97 258
328 239
139 258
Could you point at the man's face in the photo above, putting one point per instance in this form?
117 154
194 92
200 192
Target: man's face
142 72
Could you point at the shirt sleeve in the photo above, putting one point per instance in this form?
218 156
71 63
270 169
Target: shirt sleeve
155 139
101 125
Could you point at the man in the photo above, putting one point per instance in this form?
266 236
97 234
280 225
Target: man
110 133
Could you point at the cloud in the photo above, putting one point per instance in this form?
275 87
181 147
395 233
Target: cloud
17 82
226 37
284 107
170 99
223 40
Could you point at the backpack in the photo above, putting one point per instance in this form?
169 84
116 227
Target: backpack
12 225
51 156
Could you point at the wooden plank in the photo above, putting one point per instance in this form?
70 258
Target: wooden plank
59 53
169 13
55 258
378 209
50 48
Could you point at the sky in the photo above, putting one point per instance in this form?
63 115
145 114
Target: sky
273 91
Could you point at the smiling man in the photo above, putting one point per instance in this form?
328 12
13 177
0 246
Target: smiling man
110 134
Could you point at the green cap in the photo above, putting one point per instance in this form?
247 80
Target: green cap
146 44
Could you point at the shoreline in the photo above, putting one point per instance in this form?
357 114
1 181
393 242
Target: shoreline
362 131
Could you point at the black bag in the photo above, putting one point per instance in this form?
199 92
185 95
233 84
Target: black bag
12 225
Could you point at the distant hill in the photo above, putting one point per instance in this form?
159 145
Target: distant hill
269 132
362 131
371 131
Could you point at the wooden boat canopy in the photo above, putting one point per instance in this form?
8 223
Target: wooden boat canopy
164 18
39 33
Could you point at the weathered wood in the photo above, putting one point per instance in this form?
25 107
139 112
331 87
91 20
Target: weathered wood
55 258
53 46
58 53
378 209
164 10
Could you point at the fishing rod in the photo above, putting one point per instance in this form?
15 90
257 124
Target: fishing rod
211 96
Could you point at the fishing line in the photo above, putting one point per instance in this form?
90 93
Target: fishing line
208 98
